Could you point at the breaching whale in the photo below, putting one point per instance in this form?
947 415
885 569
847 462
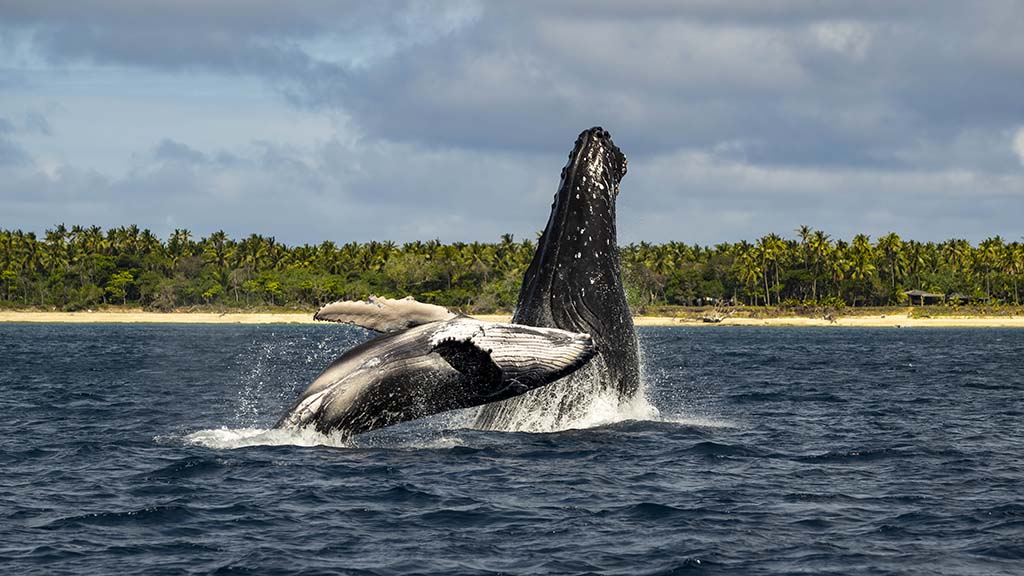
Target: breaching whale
428 360
574 283
572 325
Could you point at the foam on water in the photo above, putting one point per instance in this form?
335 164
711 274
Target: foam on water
602 407
591 403
698 421
439 443
232 438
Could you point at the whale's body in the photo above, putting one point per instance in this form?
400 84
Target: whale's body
457 362
574 283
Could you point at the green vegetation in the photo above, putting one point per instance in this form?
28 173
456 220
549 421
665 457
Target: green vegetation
80 267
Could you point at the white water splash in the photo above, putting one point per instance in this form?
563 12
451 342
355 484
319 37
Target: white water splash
231 438
590 402
579 401
234 438
601 409
601 412
699 421
440 443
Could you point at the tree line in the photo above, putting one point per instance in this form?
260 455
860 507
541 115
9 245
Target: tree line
83 267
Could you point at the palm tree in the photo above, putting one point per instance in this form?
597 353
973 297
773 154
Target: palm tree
890 246
748 268
837 264
987 258
862 267
179 245
821 246
956 253
1015 267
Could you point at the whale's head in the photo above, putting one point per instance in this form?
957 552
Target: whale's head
595 159
574 284
574 281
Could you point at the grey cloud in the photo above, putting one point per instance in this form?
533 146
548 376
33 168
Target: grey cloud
354 191
800 82
851 91
740 118
261 36
335 191
10 153
709 199
36 122
174 151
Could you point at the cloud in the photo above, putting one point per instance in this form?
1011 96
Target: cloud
849 83
173 151
344 191
1018 145
260 37
850 39
335 190
10 153
36 122
836 87
406 120
693 194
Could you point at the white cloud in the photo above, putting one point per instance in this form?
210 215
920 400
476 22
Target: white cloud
852 39
1018 144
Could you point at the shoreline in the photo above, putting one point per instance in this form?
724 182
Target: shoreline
141 317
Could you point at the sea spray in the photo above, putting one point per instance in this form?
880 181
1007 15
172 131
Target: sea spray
590 400
274 370
271 370
232 438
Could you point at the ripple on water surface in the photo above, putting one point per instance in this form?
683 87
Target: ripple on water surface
142 449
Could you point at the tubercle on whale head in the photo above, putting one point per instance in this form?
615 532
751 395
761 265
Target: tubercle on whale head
583 211
596 158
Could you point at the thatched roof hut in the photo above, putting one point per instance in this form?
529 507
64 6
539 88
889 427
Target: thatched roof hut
924 298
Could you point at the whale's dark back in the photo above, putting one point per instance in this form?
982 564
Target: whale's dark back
574 283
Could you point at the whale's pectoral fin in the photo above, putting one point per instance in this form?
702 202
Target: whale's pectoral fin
383 314
470 359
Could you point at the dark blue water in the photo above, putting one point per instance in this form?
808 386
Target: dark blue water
824 451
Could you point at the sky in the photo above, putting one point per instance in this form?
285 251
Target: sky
356 121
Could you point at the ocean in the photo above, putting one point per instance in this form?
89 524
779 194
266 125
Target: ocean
131 449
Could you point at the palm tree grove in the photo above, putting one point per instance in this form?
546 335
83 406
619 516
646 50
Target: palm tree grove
83 267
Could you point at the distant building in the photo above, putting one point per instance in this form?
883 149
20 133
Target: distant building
958 298
924 298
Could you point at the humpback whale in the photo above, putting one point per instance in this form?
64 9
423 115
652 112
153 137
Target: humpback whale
428 360
574 283
572 327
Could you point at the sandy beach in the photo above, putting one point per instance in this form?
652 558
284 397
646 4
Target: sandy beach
139 316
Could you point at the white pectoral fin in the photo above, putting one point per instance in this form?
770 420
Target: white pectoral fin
383 314
512 352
